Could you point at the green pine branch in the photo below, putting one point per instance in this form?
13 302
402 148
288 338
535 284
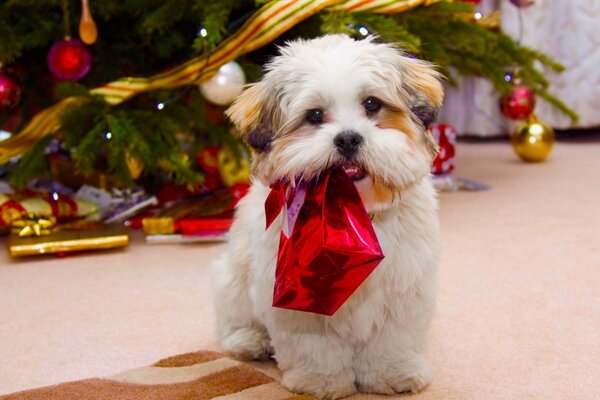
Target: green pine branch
31 164
214 17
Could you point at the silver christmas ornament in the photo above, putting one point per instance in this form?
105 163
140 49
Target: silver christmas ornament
225 86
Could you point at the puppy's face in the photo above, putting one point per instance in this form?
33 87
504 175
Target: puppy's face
334 101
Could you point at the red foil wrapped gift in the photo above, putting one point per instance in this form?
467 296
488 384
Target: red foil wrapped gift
217 222
445 136
327 245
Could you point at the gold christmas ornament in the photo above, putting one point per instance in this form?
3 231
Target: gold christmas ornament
87 27
533 140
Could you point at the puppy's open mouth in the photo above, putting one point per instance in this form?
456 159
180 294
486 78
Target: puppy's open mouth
354 172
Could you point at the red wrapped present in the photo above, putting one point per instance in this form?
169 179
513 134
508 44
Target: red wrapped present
445 136
218 222
10 210
327 245
196 216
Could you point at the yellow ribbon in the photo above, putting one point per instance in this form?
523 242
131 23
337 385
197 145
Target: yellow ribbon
33 226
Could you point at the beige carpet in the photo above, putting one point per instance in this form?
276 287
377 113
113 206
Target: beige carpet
519 308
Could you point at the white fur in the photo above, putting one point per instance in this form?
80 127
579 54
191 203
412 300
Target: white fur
375 341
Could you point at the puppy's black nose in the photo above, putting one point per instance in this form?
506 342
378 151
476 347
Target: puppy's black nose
348 142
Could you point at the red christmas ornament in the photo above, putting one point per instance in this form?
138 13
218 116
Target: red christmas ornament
472 1
10 90
518 103
522 3
445 137
69 60
327 246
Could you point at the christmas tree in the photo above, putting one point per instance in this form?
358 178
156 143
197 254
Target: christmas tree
127 104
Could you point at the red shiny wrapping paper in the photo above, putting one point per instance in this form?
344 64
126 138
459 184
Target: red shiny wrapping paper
193 225
332 248
445 137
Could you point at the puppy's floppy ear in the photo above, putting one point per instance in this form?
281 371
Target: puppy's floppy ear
423 85
256 115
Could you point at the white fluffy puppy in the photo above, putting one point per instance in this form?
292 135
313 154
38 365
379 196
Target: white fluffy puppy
334 101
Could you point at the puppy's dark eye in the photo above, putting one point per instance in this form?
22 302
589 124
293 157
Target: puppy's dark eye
372 105
315 116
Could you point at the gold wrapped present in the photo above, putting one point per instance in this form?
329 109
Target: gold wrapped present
158 225
64 241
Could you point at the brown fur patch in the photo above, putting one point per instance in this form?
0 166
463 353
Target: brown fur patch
260 167
388 119
245 110
431 145
381 192
418 137
420 77
257 115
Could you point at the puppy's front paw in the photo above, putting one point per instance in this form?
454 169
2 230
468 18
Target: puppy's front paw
388 377
322 386
248 344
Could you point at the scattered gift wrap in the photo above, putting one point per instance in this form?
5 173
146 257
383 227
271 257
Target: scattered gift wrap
195 219
117 205
327 244
65 240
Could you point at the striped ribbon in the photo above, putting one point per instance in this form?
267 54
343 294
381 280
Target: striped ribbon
269 22
43 123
